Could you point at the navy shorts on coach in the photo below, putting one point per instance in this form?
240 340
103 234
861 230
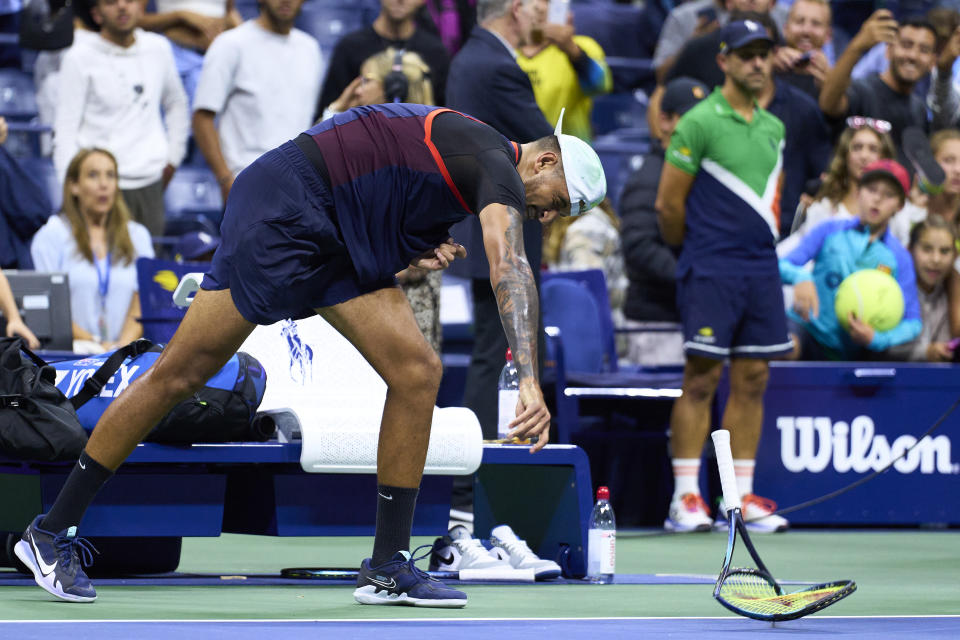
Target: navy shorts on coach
733 316
281 253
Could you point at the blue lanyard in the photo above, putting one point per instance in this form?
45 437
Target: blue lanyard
103 279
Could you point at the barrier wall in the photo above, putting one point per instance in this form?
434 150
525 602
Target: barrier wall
828 425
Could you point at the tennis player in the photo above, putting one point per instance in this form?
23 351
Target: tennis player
320 225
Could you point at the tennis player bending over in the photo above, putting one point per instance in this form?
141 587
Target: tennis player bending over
320 225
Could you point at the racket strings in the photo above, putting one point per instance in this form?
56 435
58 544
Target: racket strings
752 593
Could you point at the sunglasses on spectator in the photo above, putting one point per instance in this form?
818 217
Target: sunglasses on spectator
858 122
749 53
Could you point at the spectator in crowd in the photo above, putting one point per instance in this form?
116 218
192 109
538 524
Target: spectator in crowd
487 83
863 142
566 71
370 86
651 264
96 243
700 17
191 26
808 142
944 99
451 20
933 247
113 91
889 95
840 247
24 207
46 74
591 241
421 286
15 326
717 197
258 88
395 27
802 61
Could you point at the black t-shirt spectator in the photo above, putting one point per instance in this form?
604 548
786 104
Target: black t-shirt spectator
698 60
651 264
807 146
802 81
354 48
871 97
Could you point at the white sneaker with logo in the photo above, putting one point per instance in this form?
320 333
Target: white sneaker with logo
460 551
508 547
688 513
758 515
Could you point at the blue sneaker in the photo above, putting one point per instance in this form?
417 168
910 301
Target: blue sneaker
399 581
55 560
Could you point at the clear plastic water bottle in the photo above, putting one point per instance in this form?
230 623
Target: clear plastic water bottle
602 540
509 395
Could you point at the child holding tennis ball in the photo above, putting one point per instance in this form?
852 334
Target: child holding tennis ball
838 249
933 246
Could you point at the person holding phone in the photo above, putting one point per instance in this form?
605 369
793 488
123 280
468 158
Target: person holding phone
565 69
801 61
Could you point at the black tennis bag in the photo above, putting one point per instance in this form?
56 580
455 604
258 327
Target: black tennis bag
37 422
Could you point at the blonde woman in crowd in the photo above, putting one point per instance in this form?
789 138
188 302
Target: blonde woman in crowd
96 243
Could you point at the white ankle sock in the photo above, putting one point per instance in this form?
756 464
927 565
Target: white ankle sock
744 470
686 476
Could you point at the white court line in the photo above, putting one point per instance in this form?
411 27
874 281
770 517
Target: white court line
382 620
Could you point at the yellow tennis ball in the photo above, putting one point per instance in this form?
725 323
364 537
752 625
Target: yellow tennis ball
873 296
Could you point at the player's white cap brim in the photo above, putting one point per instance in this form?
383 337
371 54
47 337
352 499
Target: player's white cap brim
586 182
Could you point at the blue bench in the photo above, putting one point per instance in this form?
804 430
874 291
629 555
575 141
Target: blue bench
167 492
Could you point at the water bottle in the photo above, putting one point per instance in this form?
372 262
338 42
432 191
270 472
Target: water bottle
602 540
509 395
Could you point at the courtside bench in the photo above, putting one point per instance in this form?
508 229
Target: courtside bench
166 492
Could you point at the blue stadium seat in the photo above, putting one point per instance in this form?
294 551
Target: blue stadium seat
621 153
194 190
46 173
330 20
157 280
622 110
18 96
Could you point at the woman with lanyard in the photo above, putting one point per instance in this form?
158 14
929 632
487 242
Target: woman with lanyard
96 243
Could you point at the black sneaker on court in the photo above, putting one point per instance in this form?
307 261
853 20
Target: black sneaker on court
399 581
55 560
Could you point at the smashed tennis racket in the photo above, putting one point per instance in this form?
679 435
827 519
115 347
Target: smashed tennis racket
754 592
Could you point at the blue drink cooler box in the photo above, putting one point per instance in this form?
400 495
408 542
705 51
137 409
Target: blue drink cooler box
827 425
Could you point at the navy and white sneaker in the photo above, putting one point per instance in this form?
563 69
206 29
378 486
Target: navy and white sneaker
55 560
399 581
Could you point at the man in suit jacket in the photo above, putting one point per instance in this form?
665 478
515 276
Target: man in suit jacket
486 83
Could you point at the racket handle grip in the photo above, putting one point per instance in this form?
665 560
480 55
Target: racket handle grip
728 477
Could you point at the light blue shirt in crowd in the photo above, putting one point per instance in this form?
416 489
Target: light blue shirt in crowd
54 249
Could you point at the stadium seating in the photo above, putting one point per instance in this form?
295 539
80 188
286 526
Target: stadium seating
194 191
18 96
628 37
329 20
621 153
622 110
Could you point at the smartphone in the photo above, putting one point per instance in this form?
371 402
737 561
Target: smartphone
558 11
804 59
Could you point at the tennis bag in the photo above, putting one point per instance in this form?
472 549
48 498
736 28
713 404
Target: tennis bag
224 410
37 422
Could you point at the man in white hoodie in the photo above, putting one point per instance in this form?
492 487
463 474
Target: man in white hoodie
121 92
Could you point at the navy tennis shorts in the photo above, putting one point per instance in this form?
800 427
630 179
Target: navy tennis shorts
733 316
281 252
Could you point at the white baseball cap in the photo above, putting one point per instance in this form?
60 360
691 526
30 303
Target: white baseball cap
586 182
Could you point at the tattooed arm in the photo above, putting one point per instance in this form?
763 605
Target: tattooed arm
516 293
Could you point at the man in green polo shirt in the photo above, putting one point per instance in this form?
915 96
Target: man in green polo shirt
718 197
